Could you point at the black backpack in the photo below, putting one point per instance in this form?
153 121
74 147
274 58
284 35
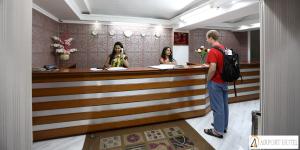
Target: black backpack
231 67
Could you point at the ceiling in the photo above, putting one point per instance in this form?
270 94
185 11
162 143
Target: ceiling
179 14
58 8
158 9
245 13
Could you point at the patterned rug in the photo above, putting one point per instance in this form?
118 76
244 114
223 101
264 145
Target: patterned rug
176 135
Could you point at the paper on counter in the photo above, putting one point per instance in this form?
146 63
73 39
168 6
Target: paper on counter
198 67
95 69
163 66
116 68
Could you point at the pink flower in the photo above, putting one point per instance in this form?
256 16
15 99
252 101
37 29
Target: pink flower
62 46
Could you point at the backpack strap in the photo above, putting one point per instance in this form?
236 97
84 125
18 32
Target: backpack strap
238 63
219 49
235 93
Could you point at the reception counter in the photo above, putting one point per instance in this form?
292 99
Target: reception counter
77 101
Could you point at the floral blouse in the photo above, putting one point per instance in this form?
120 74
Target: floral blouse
118 61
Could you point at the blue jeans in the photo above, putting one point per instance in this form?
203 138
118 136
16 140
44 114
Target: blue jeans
219 104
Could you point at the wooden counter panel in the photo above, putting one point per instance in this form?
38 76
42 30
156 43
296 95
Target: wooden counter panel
244 98
43 77
51 123
63 132
247 89
113 88
252 73
113 100
245 81
70 131
249 66
113 113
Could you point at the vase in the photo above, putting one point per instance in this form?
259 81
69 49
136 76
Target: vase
203 57
202 61
64 57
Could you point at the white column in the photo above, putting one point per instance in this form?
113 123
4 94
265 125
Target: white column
181 54
249 46
15 76
280 67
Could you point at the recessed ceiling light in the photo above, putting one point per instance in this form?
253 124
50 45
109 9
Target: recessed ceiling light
158 28
96 25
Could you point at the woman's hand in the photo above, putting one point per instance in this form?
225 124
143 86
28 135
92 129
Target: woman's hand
125 60
106 64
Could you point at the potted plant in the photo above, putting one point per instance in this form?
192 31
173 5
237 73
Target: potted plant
203 53
63 47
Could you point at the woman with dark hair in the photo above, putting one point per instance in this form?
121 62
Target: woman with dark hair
167 56
117 58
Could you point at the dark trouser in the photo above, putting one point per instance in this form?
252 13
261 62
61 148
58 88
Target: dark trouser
219 104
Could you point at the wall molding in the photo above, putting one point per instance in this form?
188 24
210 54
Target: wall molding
43 11
110 23
110 18
74 7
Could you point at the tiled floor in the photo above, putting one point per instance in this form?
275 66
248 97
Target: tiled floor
239 127
237 137
70 143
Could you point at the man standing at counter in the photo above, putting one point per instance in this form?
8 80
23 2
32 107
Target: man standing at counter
217 88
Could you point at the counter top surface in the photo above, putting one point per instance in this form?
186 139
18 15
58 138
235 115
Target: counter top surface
134 69
131 70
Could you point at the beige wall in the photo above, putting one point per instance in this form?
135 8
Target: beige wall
280 67
15 76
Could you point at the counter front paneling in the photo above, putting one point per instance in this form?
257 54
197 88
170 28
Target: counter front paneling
78 101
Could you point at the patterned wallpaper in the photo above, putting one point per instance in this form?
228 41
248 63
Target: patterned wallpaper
42 29
142 51
235 40
93 50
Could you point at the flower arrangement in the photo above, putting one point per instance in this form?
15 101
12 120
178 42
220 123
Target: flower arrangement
202 52
62 46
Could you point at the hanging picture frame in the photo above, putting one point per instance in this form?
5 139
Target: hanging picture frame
181 38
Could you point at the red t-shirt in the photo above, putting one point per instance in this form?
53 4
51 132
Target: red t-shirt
215 56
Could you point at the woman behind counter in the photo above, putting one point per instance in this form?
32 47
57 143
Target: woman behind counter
117 58
167 56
